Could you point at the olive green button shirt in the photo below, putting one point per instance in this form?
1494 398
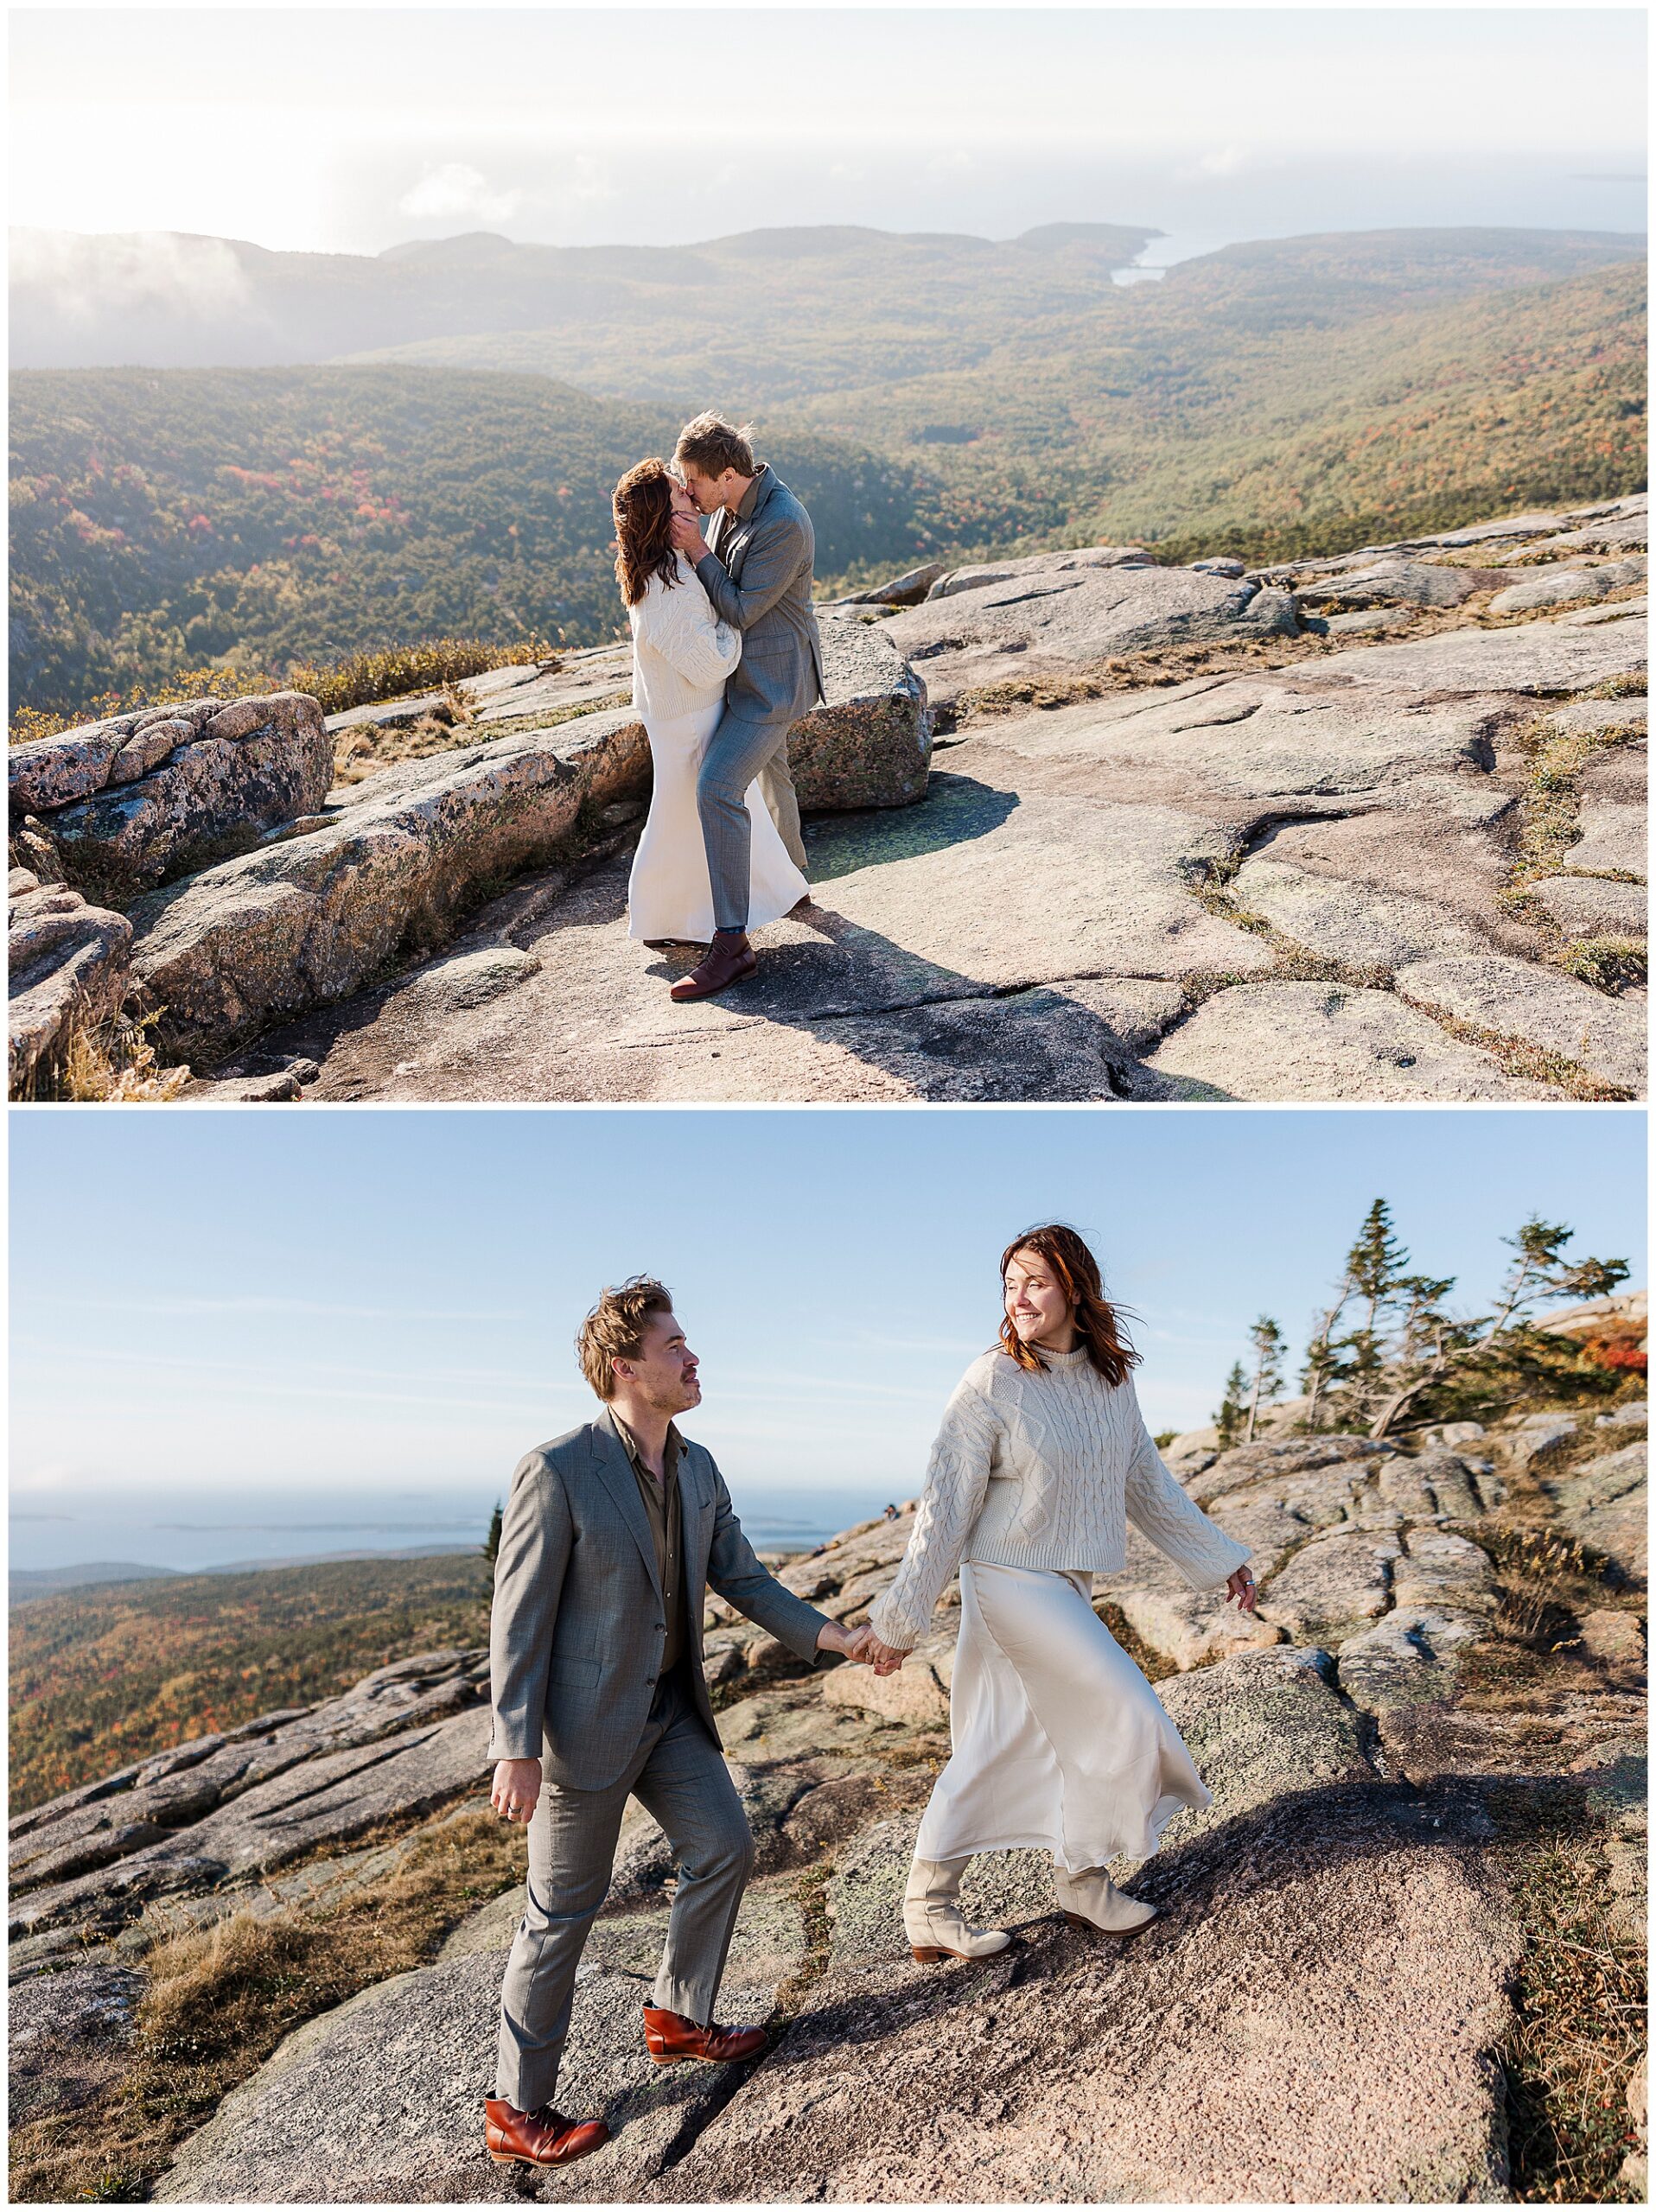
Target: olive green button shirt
666 1515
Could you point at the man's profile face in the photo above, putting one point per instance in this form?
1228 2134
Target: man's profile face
663 1373
708 491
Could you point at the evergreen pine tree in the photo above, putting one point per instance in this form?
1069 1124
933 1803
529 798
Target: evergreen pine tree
1229 1418
1266 1382
492 1541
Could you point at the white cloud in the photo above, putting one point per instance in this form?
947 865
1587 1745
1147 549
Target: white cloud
80 276
454 191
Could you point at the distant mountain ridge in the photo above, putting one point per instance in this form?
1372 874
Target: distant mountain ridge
175 300
928 395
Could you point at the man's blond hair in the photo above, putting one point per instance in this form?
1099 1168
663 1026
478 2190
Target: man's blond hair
615 1329
710 445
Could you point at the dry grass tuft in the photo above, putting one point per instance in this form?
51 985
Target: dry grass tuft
361 752
1540 1572
1608 963
111 1061
220 2000
360 680
1579 1998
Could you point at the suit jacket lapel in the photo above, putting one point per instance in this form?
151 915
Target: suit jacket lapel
735 536
695 1505
614 1469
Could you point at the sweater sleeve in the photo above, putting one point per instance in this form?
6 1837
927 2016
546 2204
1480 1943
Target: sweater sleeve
957 1477
678 623
1159 1510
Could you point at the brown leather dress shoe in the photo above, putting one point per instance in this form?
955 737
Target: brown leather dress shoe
538 2139
669 2037
730 959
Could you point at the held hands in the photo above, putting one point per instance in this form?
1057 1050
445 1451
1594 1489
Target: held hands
687 537
861 1646
516 1789
1240 1586
884 1658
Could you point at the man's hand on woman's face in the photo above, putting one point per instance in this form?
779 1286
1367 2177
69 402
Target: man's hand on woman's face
687 535
516 1789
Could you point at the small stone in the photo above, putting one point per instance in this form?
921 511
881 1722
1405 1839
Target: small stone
270 1090
1587 905
1565 586
1396 582
238 720
1612 838
1615 1639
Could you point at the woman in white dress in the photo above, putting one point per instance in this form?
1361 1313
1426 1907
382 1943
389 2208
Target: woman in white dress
682 654
1059 1743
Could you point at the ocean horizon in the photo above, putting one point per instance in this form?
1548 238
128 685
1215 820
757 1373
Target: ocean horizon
195 1536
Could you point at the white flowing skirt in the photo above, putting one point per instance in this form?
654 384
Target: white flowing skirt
1059 1743
669 893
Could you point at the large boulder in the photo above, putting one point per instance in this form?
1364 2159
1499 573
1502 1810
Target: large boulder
307 920
1057 615
869 743
1604 1505
397 858
141 799
67 969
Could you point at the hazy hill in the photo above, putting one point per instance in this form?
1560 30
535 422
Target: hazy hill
1248 414
928 396
106 1674
839 313
778 310
165 519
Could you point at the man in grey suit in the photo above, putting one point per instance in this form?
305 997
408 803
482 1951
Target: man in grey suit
610 1541
755 566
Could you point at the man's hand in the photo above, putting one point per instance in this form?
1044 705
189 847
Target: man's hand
687 537
884 1658
833 1638
516 1789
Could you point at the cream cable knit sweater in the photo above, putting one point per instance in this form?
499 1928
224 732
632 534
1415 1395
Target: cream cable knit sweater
1044 1470
682 653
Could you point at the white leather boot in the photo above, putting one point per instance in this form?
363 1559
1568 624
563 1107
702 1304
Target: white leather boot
1092 1900
932 1918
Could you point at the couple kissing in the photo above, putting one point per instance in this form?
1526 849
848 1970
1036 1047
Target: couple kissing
726 658
614 1533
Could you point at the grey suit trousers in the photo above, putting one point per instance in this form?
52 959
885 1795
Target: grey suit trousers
677 1775
782 803
736 752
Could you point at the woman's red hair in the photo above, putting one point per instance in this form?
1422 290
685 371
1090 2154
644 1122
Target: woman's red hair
642 506
1097 1321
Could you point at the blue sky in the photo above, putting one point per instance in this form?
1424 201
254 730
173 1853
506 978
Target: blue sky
256 1332
373 125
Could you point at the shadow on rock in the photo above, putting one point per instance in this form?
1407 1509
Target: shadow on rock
956 810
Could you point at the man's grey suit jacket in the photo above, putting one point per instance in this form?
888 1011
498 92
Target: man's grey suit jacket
757 573
578 1626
